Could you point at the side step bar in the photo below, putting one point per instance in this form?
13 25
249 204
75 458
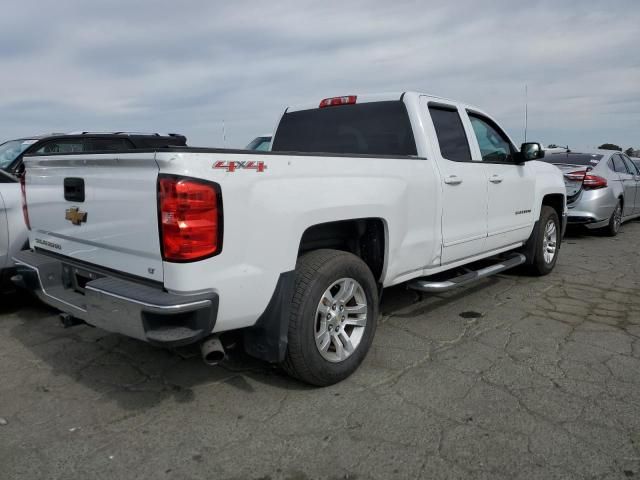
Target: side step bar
442 286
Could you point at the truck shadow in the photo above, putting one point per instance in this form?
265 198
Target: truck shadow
139 376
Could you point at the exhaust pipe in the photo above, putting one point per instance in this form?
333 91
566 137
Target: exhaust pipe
212 351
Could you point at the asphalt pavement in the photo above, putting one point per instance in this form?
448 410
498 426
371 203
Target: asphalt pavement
515 377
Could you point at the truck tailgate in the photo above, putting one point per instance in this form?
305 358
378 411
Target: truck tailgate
99 209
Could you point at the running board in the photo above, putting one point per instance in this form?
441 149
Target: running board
467 278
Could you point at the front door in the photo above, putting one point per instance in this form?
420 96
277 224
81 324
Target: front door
464 187
511 187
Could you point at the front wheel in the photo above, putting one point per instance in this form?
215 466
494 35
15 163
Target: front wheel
548 242
333 317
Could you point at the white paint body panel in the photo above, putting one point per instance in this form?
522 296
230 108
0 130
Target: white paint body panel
266 213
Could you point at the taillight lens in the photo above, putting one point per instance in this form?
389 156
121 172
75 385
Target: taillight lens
25 210
190 218
589 182
334 101
593 182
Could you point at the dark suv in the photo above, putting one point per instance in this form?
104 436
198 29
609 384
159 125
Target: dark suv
11 152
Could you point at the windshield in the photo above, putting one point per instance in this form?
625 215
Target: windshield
570 158
10 150
377 128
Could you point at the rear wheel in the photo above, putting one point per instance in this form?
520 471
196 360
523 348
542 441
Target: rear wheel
615 222
333 317
548 242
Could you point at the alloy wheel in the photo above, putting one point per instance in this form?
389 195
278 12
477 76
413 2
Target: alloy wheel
341 319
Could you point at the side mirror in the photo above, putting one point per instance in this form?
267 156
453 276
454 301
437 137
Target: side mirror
531 151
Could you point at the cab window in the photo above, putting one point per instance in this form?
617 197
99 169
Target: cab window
450 132
493 143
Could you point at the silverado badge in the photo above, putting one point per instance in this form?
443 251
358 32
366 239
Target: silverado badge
75 216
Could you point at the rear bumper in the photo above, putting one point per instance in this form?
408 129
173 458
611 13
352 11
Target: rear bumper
117 305
593 208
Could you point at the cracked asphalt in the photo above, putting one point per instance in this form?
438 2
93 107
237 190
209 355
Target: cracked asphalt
515 377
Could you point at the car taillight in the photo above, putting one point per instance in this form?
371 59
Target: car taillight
190 220
589 182
592 182
25 210
334 101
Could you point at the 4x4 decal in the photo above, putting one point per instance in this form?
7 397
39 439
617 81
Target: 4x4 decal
232 166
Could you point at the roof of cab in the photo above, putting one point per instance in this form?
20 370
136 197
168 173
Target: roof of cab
376 97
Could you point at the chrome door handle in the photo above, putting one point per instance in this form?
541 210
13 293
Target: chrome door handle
453 180
496 179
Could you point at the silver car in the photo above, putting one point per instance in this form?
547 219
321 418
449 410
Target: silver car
603 188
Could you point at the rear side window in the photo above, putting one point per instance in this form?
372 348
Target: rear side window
450 132
630 165
377 128
107 145
618 164
63 146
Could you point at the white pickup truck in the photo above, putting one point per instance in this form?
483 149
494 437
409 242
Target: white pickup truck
291 247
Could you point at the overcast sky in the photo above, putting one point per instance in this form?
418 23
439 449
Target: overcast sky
185 66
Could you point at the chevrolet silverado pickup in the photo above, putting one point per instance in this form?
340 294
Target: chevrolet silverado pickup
292 247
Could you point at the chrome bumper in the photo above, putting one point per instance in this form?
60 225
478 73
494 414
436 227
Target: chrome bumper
122 306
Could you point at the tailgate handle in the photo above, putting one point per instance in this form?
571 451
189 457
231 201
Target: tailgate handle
74 189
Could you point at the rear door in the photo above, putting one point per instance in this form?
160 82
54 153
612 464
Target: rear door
100 209
635 173
464 185
511 186
628 183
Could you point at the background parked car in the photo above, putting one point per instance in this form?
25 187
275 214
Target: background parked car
13 234
262 143
603 188
14 237
636 162
12 151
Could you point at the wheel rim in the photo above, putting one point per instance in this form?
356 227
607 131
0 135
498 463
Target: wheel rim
341 319
617 218
550 241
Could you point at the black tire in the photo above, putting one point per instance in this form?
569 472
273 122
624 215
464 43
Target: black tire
614 221
315 272
540 266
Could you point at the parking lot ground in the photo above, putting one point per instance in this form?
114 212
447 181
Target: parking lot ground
515 377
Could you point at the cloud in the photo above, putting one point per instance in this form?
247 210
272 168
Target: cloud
187 67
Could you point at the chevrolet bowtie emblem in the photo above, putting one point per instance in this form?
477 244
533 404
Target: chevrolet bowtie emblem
75 216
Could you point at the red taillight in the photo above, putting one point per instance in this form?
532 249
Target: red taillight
332 102
25 210
592 182
190 218
589 182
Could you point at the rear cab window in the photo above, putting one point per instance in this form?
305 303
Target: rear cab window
373 128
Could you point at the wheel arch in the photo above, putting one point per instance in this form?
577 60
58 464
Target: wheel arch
367 238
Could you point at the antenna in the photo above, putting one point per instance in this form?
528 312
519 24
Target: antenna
224 135
526 110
